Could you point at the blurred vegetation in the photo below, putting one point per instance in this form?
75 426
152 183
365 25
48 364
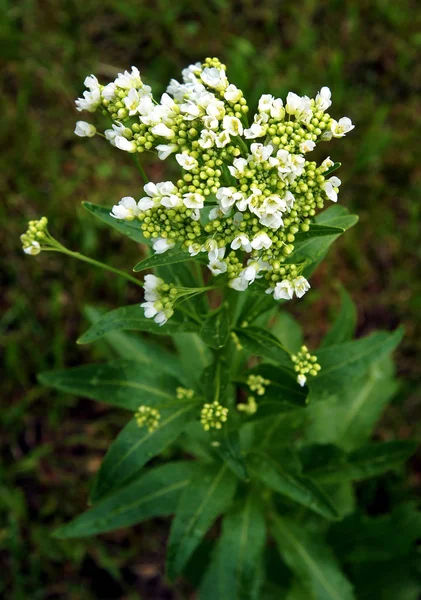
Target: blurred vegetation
364 50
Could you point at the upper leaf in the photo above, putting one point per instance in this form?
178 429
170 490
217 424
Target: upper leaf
343 328
155 493
318 230
133 318
262 343
129 228
135 446
170 257
123 383
216 328
207 496
235 569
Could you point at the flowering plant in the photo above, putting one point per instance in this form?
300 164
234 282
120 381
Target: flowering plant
266 434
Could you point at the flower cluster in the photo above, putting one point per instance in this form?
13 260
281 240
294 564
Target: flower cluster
250 407
36 238
305 364
184 393
245 190
159 299
149 417
213 416
257 384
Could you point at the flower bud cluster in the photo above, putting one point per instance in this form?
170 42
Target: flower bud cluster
250 408
257 384
159 299
147 416
305 364
184 393
35 237
245 192
213 416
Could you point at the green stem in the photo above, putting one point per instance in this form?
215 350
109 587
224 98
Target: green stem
140 168
242 144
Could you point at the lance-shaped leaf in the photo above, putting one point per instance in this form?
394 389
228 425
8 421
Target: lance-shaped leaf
227 445
235 569
154 493
331 169
313 250
369 461
348 419
135 446
207 496
194 355
311 560
170 257
133 318
215 380
123 383
318 230
343 362
216 328
288 331
262 343
343 328
140 349
129 228
286 481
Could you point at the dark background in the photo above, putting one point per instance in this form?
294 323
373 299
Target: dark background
51 444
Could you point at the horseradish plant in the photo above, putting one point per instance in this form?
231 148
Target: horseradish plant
258 431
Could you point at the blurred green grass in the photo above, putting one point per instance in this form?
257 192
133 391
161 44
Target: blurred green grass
365 51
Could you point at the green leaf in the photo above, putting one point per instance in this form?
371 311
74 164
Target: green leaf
397 579
133 318
135 446
170 257
140 349
129 228
215 331
348 418
343 362
312 561
315 249
207 496
369 461
215 380
285 481
318 230
333 168
343 328
288 331
262 343
235 570
154 493
123 383
194 355
283 388
227 445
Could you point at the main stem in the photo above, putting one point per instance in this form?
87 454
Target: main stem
140 168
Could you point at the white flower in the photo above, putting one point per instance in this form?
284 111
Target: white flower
128 80
157 193
207 139
163 131
323 99
307 146
232 125
186 162
33 249
171 201
299 106
227 197
284 162
301 286
283 290
260 152
123 143
241 241
265 103
255 131
238 167
84 129
108 91
326 164
117 130
92 98
301 379
277 110
214 78
161 245
216 265
193 200
232 94
127 209
215 213
223 139
260 241
194 249
297 164
331 188
164 150
273 221
131 101
341 127
159 316
239 283
150 285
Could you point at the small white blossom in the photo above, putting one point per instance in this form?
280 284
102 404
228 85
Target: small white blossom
150 285
255 131
128 80
307 146
331 188
227 197
163 131
232 125
186 161
216 265
207 139
161 245
241 241
164 150
323 99
127 209
299 106
301 379
223 139
84 129
123 143
33 248
301 286
232 94
326 164
239 283
214 78
260 241
238 167
132 101
341 127
193 200
283 290
91 99
273 221
261 153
